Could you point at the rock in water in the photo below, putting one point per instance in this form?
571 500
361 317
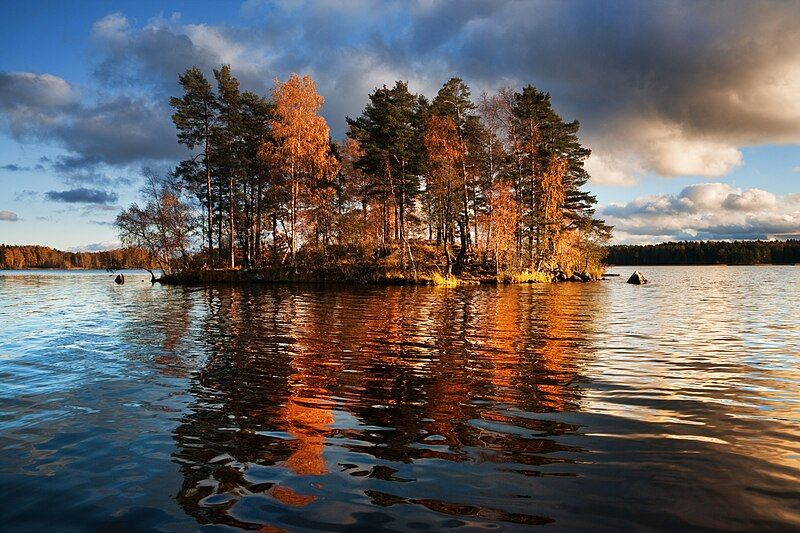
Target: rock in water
637 278
120 279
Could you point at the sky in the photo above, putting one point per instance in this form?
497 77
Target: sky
691 109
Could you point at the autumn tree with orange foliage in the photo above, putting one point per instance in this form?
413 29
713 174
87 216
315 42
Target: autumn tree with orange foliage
445 152
550 208
505 213
301 148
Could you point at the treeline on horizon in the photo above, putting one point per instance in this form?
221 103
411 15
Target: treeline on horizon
447 184
14 257
706 253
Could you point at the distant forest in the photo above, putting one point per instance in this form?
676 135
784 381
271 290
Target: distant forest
706 253
21 257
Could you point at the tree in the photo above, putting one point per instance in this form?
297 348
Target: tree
230 140
453 101
195 117
494 117
389 131
301 150
163 227
504 218
445 151
256 113
538 134
551 208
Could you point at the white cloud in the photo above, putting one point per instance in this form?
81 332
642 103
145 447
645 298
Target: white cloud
113 27
8 216
610 170
97 246
705 211
670 152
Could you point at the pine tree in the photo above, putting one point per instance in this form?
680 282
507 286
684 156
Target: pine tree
256 113
230 142
389 131
195 117
540 133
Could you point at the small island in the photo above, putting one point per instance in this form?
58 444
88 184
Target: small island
444 191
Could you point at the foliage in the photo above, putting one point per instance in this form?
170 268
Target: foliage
707 253
164 227
301 152
480 188
21 257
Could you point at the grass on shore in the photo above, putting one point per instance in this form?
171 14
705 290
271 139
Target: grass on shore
358 265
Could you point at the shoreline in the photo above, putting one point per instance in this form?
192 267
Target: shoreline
242 276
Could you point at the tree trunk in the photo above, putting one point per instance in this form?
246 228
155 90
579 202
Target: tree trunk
231 222
293 217
258 228
210 202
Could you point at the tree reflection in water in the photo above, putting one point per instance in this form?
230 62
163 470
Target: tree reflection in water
330 408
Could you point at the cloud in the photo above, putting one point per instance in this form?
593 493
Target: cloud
8 216
25 195
12 167
675 89
670 88
610 170
82 196
113 130
705 211
31 102
112 27
97 247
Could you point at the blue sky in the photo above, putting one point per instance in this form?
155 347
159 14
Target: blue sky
691 108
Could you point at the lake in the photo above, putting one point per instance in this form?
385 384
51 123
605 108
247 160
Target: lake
667 406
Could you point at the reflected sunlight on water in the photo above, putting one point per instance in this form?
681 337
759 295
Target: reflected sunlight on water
670 405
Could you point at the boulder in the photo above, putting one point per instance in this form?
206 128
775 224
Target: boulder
637 278
120 279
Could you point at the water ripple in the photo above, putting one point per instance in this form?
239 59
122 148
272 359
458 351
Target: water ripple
672 405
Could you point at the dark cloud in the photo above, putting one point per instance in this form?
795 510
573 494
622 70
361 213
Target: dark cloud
116 131
8 216
674 88
82 196
29 102
671 88
12 167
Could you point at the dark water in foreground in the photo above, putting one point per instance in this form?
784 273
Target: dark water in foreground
579 406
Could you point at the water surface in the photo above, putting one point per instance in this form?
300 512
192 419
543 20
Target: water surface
572 406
